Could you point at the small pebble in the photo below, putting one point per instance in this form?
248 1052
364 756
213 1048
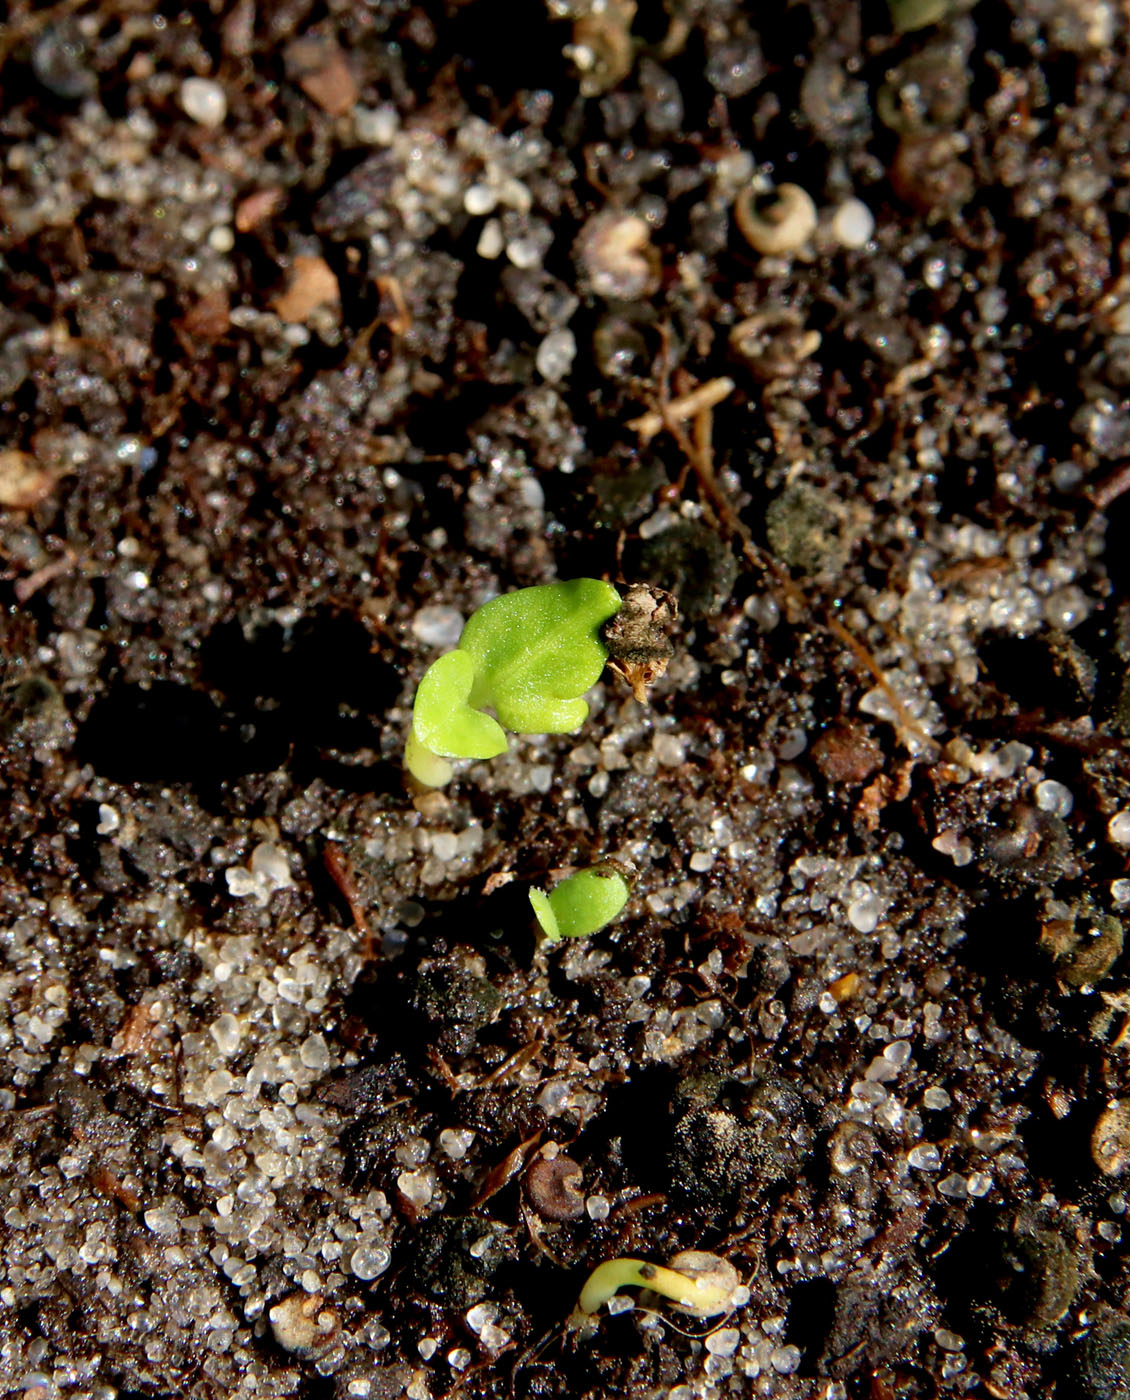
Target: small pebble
445 845
415 1187
764 610
554 1098
954 1187
655 524
792 744
864 914
1054 797
724 1342
438 626
204 101
493 1338
480 1316
523 252
60 59
1066 607
479 199
226 1032
491 241
369 1260
846 753
267 872
556 354
1118 828
785 1360
454 1142
314 1053
161 1220
669 749
377 126
853 224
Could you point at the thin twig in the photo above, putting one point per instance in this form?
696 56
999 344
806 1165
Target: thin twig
700 455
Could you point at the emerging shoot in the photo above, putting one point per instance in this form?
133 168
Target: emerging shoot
582 903
701 1284
529 656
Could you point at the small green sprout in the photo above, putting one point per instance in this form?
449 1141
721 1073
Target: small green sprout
582 903
529 656
701 1284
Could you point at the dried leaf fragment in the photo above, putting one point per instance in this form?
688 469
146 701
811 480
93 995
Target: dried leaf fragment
23 482
847 753
637 637
322 71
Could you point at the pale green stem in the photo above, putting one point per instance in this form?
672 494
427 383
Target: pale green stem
703 1296
426 767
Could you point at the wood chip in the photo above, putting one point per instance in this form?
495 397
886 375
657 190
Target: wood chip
322 71
506 1170
312 284
257 208
845 987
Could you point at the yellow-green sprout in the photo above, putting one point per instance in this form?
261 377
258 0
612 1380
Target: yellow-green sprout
583 903
529 656
701 1284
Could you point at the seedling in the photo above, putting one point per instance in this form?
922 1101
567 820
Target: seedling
582 903
701 1284
529 656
